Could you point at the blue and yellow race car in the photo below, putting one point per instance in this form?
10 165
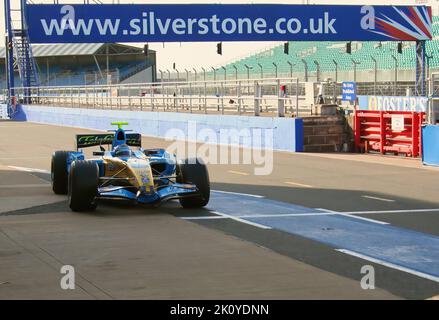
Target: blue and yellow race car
126 171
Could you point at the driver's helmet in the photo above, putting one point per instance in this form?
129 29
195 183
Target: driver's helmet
122 150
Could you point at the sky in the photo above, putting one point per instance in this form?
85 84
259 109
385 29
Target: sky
182 54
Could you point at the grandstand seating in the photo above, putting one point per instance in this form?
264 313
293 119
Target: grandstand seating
325 53
75 75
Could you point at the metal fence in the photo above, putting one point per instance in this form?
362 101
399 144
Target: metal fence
275 96
255 96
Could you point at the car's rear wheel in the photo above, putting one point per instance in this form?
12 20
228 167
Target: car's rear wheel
194 171
59 173
83 185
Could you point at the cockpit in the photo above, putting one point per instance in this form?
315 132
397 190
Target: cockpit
123 150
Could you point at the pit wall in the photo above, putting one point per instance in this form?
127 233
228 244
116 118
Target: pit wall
287 132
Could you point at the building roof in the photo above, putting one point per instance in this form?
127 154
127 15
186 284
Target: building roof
77 49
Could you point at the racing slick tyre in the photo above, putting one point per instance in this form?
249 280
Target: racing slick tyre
83 185
194 171
59 174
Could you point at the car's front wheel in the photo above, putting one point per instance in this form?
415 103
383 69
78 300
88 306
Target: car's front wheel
194 171
83 185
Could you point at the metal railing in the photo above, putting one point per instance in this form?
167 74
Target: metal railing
255 96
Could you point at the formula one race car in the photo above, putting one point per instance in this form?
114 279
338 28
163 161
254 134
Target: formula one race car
150 176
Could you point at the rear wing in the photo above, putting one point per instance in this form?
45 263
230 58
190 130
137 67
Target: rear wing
91 140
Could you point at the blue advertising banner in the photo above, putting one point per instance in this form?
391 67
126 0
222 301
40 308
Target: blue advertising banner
73 23
383 103
349 91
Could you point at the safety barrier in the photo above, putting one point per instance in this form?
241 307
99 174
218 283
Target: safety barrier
430 147
279 134
394 132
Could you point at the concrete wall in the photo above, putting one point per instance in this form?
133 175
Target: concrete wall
287 132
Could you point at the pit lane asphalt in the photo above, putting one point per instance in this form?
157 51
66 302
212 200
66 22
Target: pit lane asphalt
131 252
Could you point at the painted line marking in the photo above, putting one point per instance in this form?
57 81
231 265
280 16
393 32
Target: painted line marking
315 214
29 169
394 211
298 184
379 199
239 172
239 194
241 220
389 265
204 218
13 186
353 216
286 215
306 214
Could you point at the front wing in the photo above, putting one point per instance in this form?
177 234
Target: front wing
174 191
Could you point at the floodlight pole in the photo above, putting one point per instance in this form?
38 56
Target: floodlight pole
169 75
187 74
204 74
225 72
161 75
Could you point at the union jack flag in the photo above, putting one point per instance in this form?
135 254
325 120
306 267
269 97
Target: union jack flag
411 23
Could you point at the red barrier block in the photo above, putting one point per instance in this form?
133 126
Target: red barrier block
374 132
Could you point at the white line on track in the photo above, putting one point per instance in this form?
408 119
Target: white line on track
352 216
239 194
394 211
390 265
239 172
204 218
241 220
28 169
298 184
298 215
314 214
379 199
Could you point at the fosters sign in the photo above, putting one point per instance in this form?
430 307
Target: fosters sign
383 103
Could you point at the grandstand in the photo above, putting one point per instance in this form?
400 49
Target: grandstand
87 64
330 60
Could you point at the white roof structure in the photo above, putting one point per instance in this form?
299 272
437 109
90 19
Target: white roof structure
76 49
